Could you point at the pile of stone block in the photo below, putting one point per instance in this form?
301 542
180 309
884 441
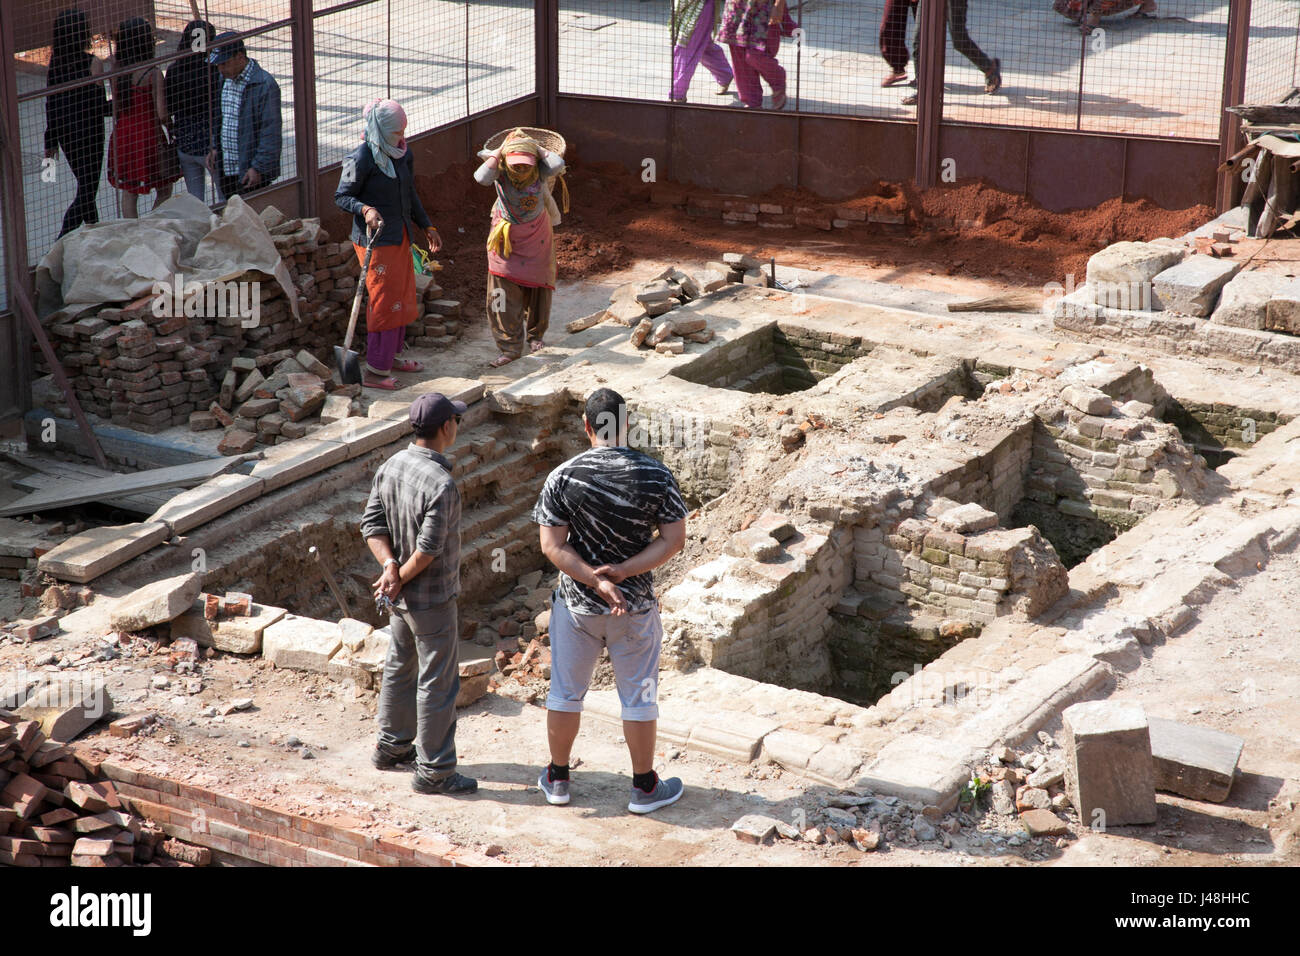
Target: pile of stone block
275 398
56 809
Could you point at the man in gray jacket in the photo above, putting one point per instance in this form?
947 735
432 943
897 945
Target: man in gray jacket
412 527
248 156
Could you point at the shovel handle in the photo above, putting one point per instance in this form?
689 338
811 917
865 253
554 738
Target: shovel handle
371 235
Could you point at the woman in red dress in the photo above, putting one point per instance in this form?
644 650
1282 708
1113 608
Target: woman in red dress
135 152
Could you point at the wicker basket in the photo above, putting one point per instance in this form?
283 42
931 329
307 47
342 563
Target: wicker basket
545 138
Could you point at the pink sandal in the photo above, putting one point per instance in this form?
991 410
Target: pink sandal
536 345
389 384
407 365
501 360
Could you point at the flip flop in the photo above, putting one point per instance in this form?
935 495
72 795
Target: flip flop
408 365
389 384
536 345
501 360
894 79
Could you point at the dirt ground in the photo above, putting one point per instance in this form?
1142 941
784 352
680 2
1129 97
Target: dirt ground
612 223
1237 667
1234 671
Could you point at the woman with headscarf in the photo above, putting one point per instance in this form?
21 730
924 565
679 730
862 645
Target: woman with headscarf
135 150
521 246
74 119
378 187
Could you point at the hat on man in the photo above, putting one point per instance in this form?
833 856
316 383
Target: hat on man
221 52
430 412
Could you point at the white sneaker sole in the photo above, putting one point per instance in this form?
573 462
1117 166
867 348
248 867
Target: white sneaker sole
658 805
554 800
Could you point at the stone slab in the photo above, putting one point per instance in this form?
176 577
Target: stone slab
1115 272
67 706
155 603
467 390
213 498
298 459
1282 313
1243 302
1109 772
361 435
1194 762
1192 286
738 736
301 643
234 635
1041 823
86 556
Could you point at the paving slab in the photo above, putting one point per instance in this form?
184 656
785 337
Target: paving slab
398 406
86 556
1243 302
67 706
234 635
361 435
1192 286
301 643
1194 762
213 498
295 460
155 603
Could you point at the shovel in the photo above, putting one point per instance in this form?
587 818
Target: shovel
345 360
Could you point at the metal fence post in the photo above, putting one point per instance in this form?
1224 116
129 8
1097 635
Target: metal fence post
1229 188
546 57
15 214
929 90
304 104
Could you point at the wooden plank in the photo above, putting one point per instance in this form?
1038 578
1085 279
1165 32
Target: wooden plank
144 503
101 489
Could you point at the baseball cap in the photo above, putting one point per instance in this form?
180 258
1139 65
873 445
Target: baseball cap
221 52
430 412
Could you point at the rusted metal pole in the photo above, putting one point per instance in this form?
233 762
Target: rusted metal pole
546 57
929 90
11 202
1228 189
304 105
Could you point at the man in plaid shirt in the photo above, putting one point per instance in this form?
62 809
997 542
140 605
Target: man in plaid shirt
412 527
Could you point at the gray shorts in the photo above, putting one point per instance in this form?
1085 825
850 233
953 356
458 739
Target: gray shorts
633 641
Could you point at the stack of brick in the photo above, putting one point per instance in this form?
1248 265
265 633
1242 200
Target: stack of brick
139 366
57 810
1094 460
742 210
150 364
959 566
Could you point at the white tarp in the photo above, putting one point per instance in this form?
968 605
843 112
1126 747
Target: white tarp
120 260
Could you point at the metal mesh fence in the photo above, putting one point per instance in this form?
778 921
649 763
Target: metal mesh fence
91 115
501 53
1022 63
1273 50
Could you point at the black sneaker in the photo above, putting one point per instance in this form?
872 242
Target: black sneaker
382 761
452 786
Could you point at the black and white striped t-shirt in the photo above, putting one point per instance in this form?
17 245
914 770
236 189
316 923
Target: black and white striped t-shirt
612 499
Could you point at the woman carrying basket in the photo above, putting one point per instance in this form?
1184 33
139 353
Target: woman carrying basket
378 187
520 247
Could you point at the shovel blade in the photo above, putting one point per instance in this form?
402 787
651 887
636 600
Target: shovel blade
349 365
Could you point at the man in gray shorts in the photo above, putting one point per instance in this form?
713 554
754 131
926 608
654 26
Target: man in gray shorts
598 514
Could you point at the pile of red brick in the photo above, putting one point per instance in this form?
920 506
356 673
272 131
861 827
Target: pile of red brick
56 811
150 364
